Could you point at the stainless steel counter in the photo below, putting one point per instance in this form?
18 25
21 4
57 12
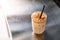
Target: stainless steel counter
21 24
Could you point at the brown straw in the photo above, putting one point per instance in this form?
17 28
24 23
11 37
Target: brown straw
42 11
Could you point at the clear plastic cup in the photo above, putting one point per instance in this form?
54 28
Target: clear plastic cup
38 24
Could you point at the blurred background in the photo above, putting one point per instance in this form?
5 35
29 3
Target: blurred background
19 12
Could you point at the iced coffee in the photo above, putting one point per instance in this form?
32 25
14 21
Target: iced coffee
38 24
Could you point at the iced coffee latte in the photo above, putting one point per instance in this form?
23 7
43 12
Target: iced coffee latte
38 24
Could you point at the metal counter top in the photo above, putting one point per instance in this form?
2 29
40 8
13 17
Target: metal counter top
23 30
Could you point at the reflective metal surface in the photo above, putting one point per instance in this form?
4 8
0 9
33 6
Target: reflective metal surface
21 27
